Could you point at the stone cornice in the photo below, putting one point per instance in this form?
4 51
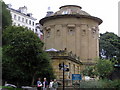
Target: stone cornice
42 21
66 57
63 54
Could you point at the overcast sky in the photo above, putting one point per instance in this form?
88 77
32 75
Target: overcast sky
107 10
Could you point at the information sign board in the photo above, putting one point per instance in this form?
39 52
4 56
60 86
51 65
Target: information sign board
76 77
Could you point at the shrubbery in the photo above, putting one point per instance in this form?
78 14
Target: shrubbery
100 84
102 69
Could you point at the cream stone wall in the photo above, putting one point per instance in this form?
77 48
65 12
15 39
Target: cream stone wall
79 35
74 68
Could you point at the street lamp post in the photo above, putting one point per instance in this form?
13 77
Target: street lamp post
63 67
63 77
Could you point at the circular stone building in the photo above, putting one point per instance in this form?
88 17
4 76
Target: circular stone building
74 30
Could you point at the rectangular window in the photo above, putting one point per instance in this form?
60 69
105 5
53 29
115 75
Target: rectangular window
74 68
18 18
30 28
69 67
14 23
26 20
69 70
33 23
30 22
18 24
78 69
36 30
22 19
15 17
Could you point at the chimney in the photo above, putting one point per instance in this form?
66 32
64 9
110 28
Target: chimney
9 5
23 9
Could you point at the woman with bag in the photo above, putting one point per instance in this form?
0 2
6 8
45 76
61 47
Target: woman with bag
39 84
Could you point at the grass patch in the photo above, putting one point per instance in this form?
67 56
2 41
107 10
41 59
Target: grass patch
10 88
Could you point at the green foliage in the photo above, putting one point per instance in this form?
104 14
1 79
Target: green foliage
110 84
110 46
6 16
115 84
10 88
0 53
0 59
103 69
91 84
23 56
89 71
104 83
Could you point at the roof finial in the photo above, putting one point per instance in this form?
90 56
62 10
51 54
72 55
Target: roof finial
49 12
49 8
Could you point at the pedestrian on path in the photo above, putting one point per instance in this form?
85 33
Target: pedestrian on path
55 85
39 84
51 85
45 84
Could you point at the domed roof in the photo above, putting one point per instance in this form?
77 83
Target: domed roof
70 11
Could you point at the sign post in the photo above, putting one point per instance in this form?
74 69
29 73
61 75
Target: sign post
63 77
76 77
63 67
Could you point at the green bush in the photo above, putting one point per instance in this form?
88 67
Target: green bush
102 69
91 84
101 84
10 88
112 84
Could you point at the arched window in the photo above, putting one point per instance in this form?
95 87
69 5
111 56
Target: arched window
48 33
71 31
83 32
58 32
93 31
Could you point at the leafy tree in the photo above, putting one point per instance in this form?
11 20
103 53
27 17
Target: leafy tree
109 46
23 56
6 16
104 68
89 71
0 61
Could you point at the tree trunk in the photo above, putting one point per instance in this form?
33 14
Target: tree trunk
33 79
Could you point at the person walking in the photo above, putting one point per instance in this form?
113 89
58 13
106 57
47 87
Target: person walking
45 84
55 85
51 85
39 84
